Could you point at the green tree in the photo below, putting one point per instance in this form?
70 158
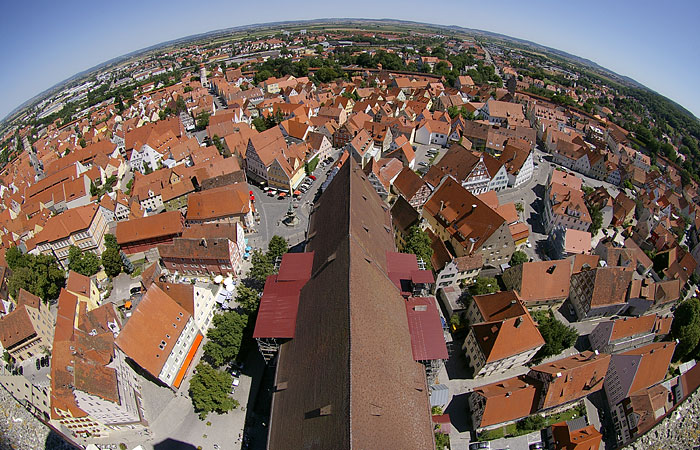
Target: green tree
202 120
39 274
276 248
112 262
519 207
442 440
14 257
260 124
248 299
224 339
111 241
82 143
262 76
261 268
85 263
519 257
209 391
534 422
556 335
686 327
418 242
326 74
596 219
484 285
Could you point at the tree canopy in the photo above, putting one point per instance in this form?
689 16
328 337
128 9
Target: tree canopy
277 247
484 285
248 299
209 391
261 268
686 328
224 339
556 335
85 263
39 274
519 257
112 262
418 242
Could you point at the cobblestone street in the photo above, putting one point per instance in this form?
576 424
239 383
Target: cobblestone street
20 430
679 430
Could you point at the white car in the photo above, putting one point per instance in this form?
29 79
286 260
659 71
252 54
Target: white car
236 382
528 244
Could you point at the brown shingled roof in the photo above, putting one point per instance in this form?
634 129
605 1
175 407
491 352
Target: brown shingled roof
155 318
508 400
508 337
379 393
149 227
573 377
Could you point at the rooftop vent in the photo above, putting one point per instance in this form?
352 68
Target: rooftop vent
420 308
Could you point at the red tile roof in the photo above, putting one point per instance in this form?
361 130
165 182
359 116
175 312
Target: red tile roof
150 227
507 400
157 318
425 327
280 300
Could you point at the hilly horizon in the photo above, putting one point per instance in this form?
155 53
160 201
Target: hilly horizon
384 21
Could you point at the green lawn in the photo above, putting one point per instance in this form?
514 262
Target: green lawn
512 429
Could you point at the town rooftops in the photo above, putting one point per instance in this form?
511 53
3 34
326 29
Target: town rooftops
15 328
203 248
609 285
150 334
632 326
219 202
651 364
544 280
65 224
507 400
499 306
78 284
577 241
507 337
572 378
571 436
469 220
150 227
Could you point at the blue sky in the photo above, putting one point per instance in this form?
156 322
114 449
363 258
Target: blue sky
43 43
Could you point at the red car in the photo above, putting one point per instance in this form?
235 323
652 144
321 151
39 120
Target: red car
313 177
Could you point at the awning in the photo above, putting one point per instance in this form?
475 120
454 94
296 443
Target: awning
297 192
283 194
188 360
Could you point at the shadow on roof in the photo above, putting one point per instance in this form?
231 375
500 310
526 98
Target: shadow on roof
173 444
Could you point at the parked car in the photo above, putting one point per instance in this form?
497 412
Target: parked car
536 446
313 177
479 445
236 382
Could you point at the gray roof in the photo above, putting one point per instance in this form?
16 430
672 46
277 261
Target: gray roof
439 395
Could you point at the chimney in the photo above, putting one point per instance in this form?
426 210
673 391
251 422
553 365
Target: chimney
518 321
442 205
203 243
472 242
508 394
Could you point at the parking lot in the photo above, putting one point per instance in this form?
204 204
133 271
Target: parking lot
271 209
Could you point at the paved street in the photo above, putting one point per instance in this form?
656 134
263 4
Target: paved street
271 211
